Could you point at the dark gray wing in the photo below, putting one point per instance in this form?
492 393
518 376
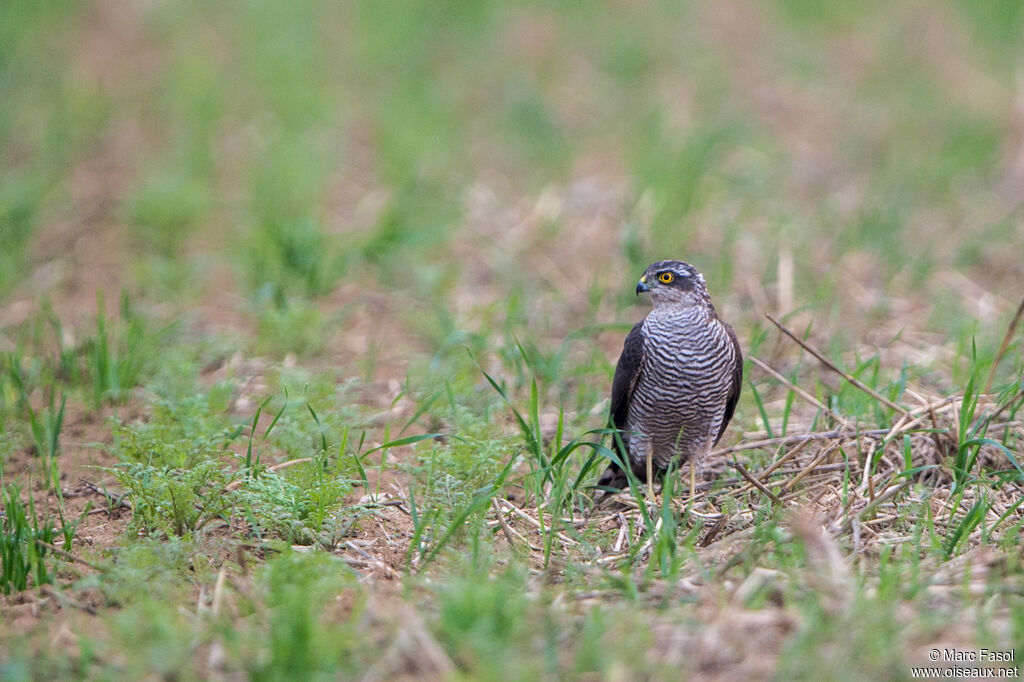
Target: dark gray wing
737 382
626 372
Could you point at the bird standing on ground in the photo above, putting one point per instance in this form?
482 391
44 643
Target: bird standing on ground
678 378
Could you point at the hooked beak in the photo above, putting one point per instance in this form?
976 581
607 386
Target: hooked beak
642 285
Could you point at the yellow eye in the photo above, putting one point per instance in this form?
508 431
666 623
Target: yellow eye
666 277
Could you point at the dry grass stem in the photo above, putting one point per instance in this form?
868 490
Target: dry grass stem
828 363
756 483
1010 329
800 392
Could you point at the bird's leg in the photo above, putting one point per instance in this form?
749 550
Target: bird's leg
643 456
693 479
650 472
698 461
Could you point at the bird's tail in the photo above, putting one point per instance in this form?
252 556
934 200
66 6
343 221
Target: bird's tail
614 477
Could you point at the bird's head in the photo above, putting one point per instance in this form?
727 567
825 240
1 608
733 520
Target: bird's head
673 283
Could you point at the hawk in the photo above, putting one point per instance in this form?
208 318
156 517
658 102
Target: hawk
678 379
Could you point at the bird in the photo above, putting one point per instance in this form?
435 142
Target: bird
677 380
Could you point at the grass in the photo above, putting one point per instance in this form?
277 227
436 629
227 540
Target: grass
23 559
373 266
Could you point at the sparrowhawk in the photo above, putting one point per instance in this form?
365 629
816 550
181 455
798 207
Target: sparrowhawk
678 378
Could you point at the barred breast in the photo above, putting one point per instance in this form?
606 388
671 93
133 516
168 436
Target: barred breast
684 384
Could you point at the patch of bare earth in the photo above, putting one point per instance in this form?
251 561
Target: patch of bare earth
89 500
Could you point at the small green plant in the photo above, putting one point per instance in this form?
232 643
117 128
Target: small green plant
960 534
483 619
302 505
161 568
146 581
972 433
174 501
302 632
292 327
165 210
298 429
180 433
293 256
44 428
66 366
115 358
22 559
550 461
662 539
435 529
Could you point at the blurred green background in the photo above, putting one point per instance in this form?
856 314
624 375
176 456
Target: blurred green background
459 154
316 207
